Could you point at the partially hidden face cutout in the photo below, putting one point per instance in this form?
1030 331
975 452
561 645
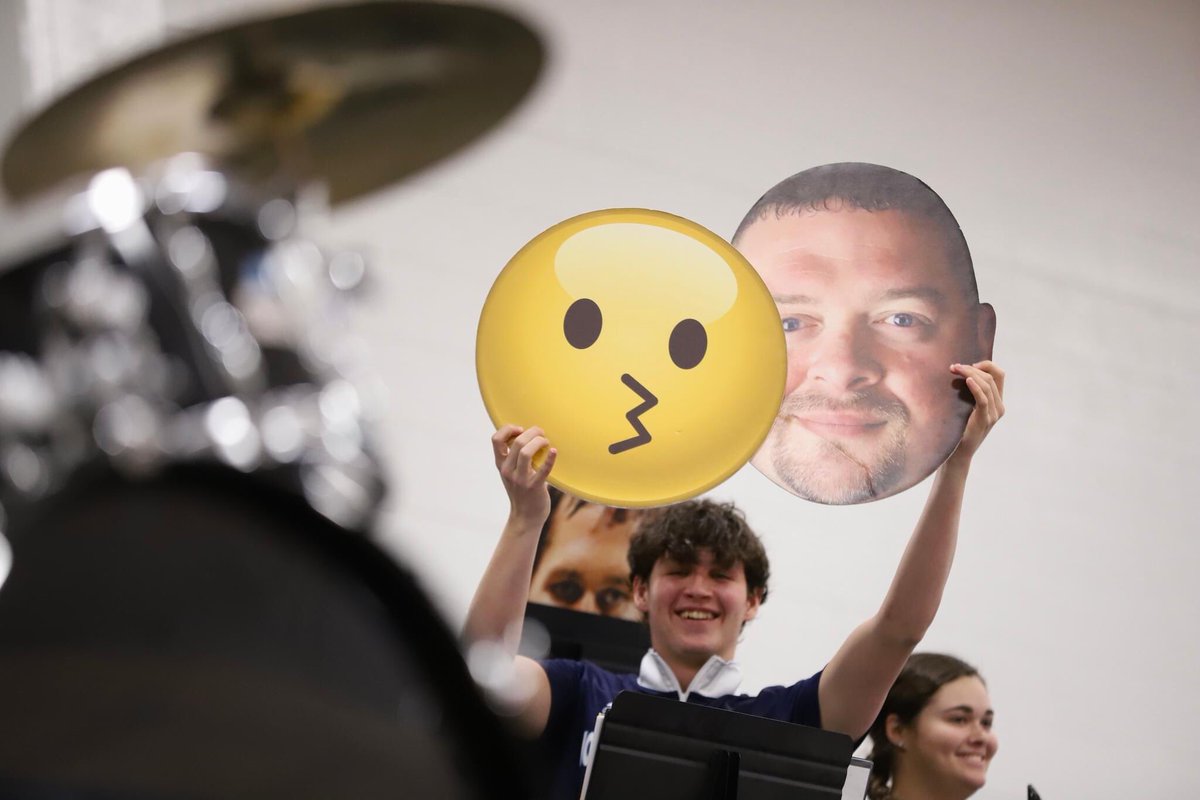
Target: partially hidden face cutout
582 558
645 347
876 297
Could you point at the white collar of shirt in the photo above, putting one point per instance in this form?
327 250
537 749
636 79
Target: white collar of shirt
716 678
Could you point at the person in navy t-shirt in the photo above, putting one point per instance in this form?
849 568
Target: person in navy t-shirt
699 574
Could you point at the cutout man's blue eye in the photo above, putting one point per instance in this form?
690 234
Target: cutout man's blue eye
791 324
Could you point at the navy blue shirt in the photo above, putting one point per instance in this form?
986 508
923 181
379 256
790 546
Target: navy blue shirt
579 691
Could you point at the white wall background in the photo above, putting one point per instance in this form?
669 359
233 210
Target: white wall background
1064 137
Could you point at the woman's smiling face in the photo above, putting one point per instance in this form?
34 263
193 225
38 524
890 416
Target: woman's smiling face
951 742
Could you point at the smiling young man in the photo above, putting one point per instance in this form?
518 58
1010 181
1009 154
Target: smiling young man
699 574
876 294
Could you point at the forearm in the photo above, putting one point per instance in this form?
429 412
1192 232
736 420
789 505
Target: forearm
857 679
916 592
498 608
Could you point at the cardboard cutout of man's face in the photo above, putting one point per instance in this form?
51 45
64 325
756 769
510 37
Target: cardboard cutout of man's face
875 307
582 565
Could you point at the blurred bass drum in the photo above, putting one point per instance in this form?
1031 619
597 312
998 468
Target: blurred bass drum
203 634
192 609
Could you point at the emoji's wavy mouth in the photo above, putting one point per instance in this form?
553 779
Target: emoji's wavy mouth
649 401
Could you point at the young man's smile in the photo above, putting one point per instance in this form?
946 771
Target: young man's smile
695 610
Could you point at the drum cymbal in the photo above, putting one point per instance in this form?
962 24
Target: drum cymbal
358 96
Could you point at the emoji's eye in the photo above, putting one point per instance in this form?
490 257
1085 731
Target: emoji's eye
582 323
688 344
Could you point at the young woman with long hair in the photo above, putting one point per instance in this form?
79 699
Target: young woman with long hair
933 739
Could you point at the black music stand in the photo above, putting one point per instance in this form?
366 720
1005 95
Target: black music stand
656 747
616 645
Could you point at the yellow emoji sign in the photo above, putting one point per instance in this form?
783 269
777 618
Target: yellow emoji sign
644 345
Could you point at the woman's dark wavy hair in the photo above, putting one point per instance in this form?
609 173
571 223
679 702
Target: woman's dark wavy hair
680 531
922 676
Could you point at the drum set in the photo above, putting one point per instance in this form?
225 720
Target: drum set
185 461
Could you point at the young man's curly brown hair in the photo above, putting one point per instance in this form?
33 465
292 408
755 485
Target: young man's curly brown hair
680 531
